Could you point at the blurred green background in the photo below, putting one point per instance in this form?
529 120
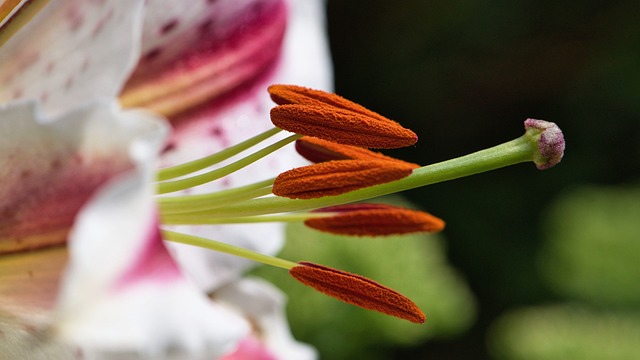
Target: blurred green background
532 265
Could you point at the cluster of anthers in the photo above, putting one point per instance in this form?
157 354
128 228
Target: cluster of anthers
335 135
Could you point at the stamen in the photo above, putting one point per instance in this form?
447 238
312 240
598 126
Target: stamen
318 150
342 126
357 290
226 248
292 94
337 177
374 220
350 288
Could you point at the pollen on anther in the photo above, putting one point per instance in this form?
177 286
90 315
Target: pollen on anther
332 117
337 177
318 150
374 220
342 126
293 94
357 290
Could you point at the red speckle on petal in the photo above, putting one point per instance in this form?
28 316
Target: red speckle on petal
85 65
217 131
77 158
152 54
56 164
68 84
17 93
168 27
26 60
50 66
75 18
168 147
205 27
101 23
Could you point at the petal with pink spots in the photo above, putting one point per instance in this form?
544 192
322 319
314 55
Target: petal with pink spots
72 51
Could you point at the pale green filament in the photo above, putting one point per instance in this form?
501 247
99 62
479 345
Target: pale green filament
199 164
204 220
227 249
190 203
182 184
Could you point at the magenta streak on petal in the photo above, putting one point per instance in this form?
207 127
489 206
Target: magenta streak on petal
152 262
250 348
234 57
46 199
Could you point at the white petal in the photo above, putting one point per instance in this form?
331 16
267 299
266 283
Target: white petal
307 58
264 305
71 51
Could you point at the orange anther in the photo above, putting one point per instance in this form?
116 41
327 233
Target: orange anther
337 177
318 150
357 290
374 220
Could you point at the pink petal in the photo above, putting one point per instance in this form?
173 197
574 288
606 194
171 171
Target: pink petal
250 348
197 57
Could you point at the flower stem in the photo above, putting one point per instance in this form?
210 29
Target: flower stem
226 248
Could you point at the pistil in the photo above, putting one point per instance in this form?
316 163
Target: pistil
522 149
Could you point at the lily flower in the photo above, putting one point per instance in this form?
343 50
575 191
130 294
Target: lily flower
121 289
66 58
